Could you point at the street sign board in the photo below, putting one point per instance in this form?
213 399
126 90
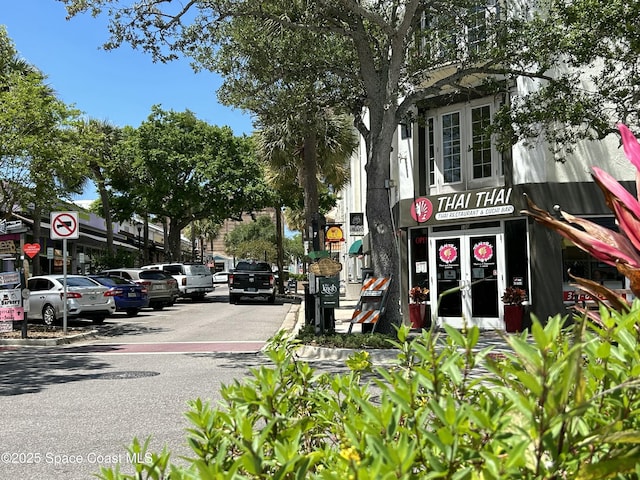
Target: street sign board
329 289
64 225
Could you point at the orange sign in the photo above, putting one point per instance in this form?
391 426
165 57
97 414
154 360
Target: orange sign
334 234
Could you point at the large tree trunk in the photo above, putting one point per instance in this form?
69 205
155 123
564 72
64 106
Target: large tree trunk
385 254
145 248
175 246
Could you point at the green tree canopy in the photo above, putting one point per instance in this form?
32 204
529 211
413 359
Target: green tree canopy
253 240
36 143
182 169
588 55
38 162
97 147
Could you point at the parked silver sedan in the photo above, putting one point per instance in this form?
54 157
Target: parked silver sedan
85 298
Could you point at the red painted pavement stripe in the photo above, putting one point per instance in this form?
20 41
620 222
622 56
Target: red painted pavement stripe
175 347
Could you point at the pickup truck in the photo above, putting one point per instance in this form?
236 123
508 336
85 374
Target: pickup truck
252 279
194 280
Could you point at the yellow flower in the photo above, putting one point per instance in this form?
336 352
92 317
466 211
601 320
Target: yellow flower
350 454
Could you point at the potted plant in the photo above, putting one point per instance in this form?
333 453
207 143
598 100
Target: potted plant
513 299
418 306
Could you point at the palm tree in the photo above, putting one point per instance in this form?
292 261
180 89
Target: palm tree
304 153
301 155
97 146
206 230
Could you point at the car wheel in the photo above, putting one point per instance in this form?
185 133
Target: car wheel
49 315
98 320
158 306
233 299
132 312
272 298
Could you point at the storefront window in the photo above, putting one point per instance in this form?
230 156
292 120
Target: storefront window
517 258
419 257
581 264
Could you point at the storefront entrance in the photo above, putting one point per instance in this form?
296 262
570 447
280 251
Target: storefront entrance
469 264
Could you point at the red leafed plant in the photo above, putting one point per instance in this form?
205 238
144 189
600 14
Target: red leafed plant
619 249
419 294
514 296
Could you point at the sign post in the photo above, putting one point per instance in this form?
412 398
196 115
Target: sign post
31 249
64 226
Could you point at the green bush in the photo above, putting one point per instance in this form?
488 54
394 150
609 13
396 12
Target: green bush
308 335
562 404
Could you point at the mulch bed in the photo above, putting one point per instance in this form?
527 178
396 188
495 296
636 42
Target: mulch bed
41 331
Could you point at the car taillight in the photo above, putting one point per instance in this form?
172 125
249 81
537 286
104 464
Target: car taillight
146 284
113 293
70 295
184 281
230 278
144 291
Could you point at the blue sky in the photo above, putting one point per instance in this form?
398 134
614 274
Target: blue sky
118 86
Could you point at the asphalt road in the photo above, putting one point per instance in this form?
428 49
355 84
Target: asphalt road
67 410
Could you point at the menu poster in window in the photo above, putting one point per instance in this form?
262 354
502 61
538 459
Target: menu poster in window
421 267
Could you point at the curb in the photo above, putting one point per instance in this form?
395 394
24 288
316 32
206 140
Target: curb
47 342
310 353
294 320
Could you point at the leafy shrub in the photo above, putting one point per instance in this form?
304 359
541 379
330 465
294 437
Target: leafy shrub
561 405
357 340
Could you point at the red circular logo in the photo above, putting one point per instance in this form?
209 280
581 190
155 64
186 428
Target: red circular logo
448 253
421 209
483 251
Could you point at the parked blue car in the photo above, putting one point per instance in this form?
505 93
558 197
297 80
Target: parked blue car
130 297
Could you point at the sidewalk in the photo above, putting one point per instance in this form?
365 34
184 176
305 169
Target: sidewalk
343 314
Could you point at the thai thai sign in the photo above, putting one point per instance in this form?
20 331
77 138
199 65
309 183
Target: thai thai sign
464 205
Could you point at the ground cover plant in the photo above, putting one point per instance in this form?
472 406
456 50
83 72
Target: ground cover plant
562 404
308 335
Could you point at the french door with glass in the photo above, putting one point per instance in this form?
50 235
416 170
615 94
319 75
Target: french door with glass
467 266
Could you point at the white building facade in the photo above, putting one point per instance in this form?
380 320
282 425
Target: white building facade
457 204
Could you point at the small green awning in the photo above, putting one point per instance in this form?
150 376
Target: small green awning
356 248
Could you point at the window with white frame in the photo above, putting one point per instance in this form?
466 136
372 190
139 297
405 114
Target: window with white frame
459 33
458 147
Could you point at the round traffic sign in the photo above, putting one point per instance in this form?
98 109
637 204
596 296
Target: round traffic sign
65 225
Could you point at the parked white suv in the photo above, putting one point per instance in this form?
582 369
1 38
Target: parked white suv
194 279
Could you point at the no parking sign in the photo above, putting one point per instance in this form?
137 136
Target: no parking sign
64 225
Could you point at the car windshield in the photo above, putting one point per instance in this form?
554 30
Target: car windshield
197 270
173 269
253 266
78 281
112 281
153 275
